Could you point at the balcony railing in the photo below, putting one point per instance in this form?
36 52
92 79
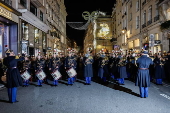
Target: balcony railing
149 22
156 18
37 3
144 25
124 44
9 2
160 1
113 40
144 3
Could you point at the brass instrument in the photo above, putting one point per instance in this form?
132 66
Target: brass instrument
136 58
104 61
111 65
161 61
88 60
122 62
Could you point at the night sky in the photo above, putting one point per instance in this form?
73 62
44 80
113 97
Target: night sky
75 8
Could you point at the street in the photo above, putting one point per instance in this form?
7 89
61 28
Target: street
80 98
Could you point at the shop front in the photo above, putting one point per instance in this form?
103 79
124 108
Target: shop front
33 40
8 29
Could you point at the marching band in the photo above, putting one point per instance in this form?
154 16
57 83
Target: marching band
140 68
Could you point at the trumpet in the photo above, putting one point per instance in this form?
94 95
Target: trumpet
88 60
104 61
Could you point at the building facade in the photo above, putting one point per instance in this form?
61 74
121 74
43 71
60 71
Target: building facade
9 26
98 35
138 25
41 26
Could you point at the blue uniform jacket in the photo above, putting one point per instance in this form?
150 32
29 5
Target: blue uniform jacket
143 77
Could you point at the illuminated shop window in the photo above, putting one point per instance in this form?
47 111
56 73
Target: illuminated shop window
36 35
104 31
156 36
25 31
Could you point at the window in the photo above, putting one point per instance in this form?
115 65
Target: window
41 16
136 43
9 2
137 22
36 40
144 17
130 4
25 31
156 18
130 17
33 9
130 29
157 11
24 3
137 5
150 13
156 36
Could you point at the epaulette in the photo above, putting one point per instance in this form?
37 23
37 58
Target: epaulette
16 57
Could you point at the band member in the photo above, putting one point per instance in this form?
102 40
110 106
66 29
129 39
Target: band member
88 70
70 63
40 65
62 70
75 58
103 71
13 77
33 68
1 71
133 67
122 70
159 69
143 78
167 66
26 67
54 65
46 69
111 63
114 68
151 68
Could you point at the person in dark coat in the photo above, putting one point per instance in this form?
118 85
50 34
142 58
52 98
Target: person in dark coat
26 67
13 77
75 58
143 77
167 66
159 69
122 70
133 68
40 65
1 72
88 69
111 63
46 69
151 69
62 70
103 71
115 66
70 62
54 65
